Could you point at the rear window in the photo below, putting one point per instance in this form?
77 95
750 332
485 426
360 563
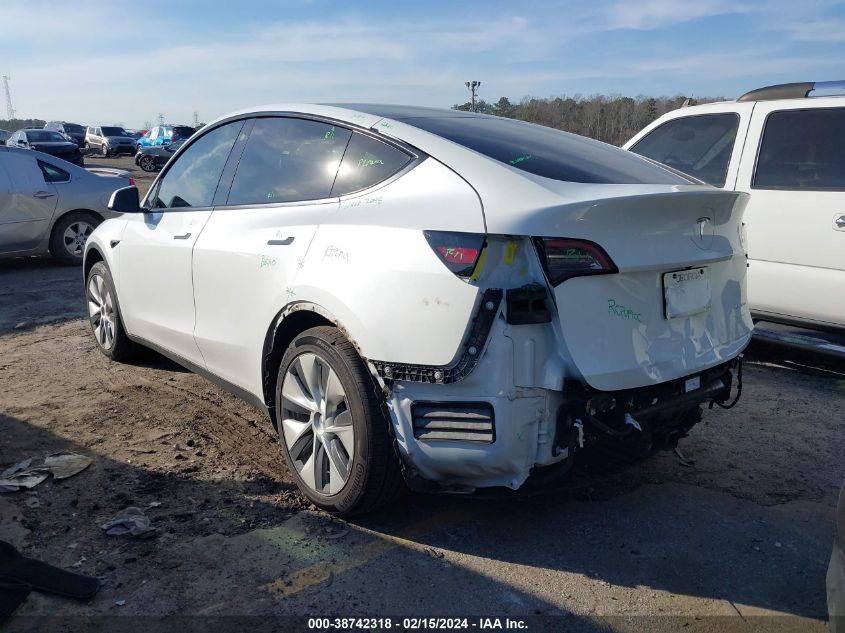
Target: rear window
182 131
367 162
802 150
547 152
697 145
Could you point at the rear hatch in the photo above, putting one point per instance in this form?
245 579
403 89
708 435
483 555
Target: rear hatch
671 300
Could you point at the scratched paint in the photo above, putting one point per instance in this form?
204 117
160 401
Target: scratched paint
266 262
360 202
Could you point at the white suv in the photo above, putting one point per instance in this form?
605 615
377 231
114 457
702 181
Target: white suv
785 145
456 298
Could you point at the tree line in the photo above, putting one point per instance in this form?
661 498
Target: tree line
13 125
610 118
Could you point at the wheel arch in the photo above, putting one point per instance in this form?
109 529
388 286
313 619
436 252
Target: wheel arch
289 323
91 257
64 214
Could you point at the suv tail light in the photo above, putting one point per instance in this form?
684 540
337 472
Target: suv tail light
564 258
132 182
459 251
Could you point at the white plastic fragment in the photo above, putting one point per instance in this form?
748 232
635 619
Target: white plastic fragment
630 421
64 465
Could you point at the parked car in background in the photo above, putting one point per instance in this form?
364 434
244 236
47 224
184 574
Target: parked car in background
109 140
164 135
71 131
4 134
49 205
47 141
154 158
784 146
458 298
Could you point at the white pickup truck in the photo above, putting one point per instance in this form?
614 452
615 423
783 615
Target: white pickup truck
784 145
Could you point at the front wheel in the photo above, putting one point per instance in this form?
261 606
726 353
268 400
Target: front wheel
147 163
104 315
334 436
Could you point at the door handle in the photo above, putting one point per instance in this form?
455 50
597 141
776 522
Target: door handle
182 237
283 242
839 222
42 195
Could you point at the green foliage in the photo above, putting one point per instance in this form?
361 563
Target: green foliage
16 124
612 119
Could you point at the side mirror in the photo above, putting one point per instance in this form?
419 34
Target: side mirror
126 200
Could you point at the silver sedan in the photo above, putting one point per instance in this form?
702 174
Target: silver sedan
50 205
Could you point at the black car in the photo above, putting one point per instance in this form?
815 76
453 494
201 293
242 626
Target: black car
47 141
72 131
154 158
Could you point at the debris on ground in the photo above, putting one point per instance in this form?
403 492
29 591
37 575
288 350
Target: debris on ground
64 465
684 461
60 465
132 522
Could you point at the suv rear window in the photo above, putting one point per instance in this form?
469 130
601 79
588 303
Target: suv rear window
802 150
545 151
700 145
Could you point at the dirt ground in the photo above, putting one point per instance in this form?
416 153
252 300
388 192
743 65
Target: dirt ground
735 537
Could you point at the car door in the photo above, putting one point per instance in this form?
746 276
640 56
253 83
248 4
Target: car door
796 216
247 258
155 284
27 202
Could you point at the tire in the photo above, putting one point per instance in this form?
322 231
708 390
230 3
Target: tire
337 445
70 232
147 163
104 149
104 315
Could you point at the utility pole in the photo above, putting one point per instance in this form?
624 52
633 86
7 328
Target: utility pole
196 119
10 111
161 118
472 86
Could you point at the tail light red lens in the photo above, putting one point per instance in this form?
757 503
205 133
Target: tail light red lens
132 182
564 258
458 251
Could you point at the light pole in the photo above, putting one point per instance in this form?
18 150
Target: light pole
472 86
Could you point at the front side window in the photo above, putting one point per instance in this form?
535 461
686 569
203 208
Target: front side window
287 160
367 162
700 146
802 150
53 173
192 180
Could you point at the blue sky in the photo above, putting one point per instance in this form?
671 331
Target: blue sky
111 61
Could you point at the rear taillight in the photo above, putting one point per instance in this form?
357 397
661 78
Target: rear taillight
131 182
564 258
459 251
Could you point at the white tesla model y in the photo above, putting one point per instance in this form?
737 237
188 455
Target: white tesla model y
430 297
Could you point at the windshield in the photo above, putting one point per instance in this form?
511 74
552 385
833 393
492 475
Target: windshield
74 128
44 136
547 152
113 131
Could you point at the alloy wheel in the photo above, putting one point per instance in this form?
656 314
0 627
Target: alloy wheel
147 163
101 311
317 424
75 237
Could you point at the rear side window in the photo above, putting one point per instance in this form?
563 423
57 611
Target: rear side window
700 146
367 162
287 160
192 180
53 173
545 151
802 150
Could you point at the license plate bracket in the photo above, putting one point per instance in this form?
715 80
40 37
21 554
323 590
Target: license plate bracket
686 292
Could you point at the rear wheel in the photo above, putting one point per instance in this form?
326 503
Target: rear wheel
67 241
333 433
104 315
